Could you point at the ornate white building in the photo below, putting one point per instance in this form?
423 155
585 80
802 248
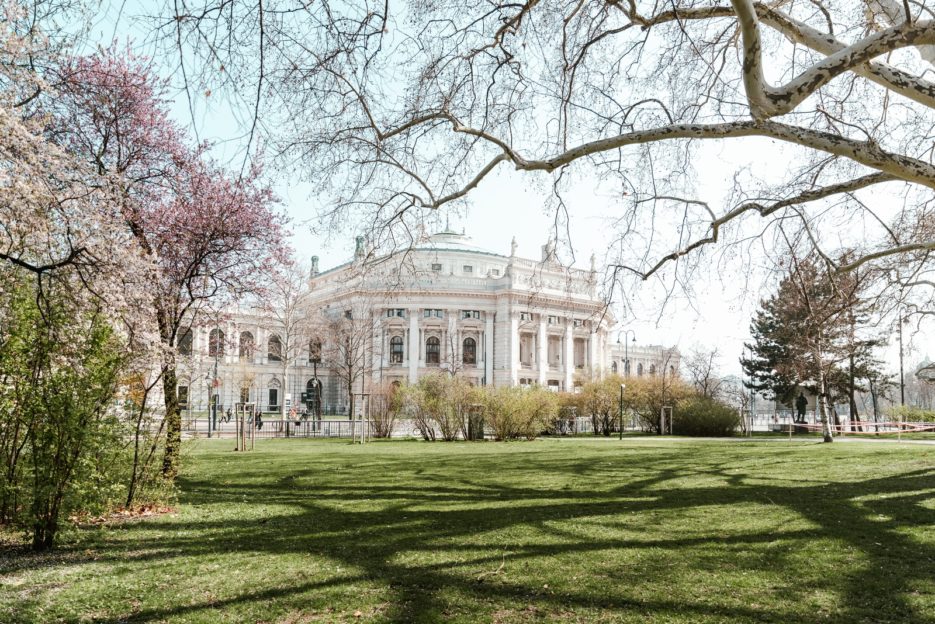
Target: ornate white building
446 305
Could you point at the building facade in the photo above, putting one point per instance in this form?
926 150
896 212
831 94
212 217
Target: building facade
447 305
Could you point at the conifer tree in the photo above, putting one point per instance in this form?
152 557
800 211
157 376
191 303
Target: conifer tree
805 336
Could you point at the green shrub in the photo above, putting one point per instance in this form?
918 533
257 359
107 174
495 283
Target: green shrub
908 413
704 417
513 413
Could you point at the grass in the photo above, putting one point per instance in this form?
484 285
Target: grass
571 530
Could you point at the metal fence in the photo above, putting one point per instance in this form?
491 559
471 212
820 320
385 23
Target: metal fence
280 428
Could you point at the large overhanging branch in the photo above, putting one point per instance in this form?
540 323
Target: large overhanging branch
763 210
73 257
768 101
889 77
883 253
867 153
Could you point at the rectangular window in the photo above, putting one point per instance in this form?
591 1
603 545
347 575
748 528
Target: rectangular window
555 350
525 350
525 316
429 313
578 322
436 266
273 398
553 320
470 314
579 353
468 268
348 314
395 312
396 350
183 397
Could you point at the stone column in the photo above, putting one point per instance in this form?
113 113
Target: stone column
514 349
601 360
488 348
543 350
232 350
593 363
569 359
589 356
413 345
259 346
377 342
452 337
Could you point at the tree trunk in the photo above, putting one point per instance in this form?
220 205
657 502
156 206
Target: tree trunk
850 392
826 433
283 414
350 393
170 463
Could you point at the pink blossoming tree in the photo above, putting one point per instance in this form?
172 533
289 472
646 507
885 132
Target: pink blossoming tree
211 237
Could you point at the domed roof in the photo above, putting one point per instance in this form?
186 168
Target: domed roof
448 240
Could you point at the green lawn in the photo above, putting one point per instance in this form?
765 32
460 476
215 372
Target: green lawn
571 530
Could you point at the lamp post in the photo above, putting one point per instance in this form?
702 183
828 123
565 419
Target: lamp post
214 384
902 383
622 386
626 349
209 384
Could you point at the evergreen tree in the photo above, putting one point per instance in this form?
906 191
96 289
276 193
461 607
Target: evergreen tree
805 336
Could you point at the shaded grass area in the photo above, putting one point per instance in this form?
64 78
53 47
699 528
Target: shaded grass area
569 530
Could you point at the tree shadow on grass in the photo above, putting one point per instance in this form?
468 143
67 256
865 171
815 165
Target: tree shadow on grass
392 531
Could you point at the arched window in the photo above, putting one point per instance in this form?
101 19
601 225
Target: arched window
313 393
639 369
274 349
469 351
246 347
432 351
613 367
652 370
314 351
626 367
396 350
216 343
184 341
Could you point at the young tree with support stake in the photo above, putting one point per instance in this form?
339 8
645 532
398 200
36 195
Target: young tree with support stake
286 304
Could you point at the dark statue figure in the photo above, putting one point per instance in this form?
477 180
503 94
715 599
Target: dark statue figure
800 404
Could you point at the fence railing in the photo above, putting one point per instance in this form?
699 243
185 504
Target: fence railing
580 425
279 428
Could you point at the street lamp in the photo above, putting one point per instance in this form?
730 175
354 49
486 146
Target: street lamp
622 386
902 383
626 349
209 384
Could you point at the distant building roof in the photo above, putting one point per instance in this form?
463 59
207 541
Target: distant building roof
448 240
